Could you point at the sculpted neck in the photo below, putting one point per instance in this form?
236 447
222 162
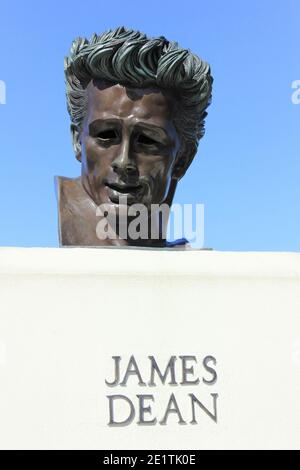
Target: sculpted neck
83 223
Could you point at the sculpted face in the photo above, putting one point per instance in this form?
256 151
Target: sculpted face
128 144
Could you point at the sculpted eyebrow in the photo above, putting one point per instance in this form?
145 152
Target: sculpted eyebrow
101 124
153 129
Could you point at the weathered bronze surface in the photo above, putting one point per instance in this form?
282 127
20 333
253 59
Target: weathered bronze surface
137 109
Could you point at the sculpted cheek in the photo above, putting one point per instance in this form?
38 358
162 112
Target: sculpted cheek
91 151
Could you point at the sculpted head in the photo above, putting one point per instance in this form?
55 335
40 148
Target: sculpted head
137 108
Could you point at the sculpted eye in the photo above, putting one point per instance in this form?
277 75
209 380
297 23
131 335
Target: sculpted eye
145 140
109 134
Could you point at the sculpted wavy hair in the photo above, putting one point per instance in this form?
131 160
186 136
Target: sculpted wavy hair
131 58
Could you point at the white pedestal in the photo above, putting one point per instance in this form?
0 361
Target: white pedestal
66 312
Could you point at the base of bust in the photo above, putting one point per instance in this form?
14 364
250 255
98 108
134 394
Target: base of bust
78 220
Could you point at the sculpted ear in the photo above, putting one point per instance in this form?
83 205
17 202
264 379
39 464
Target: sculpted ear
76 141
184 159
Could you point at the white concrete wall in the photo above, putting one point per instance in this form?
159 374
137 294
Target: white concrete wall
65 312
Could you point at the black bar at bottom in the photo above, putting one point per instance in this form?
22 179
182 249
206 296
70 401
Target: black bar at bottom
127 458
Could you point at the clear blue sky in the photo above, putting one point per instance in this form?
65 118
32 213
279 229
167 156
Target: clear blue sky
247 170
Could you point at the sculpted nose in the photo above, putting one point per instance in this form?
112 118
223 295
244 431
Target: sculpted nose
121 167
125 166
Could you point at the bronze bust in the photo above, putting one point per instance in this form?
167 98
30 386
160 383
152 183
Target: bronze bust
137 108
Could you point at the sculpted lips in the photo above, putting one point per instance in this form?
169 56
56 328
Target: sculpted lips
124 188
132 192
